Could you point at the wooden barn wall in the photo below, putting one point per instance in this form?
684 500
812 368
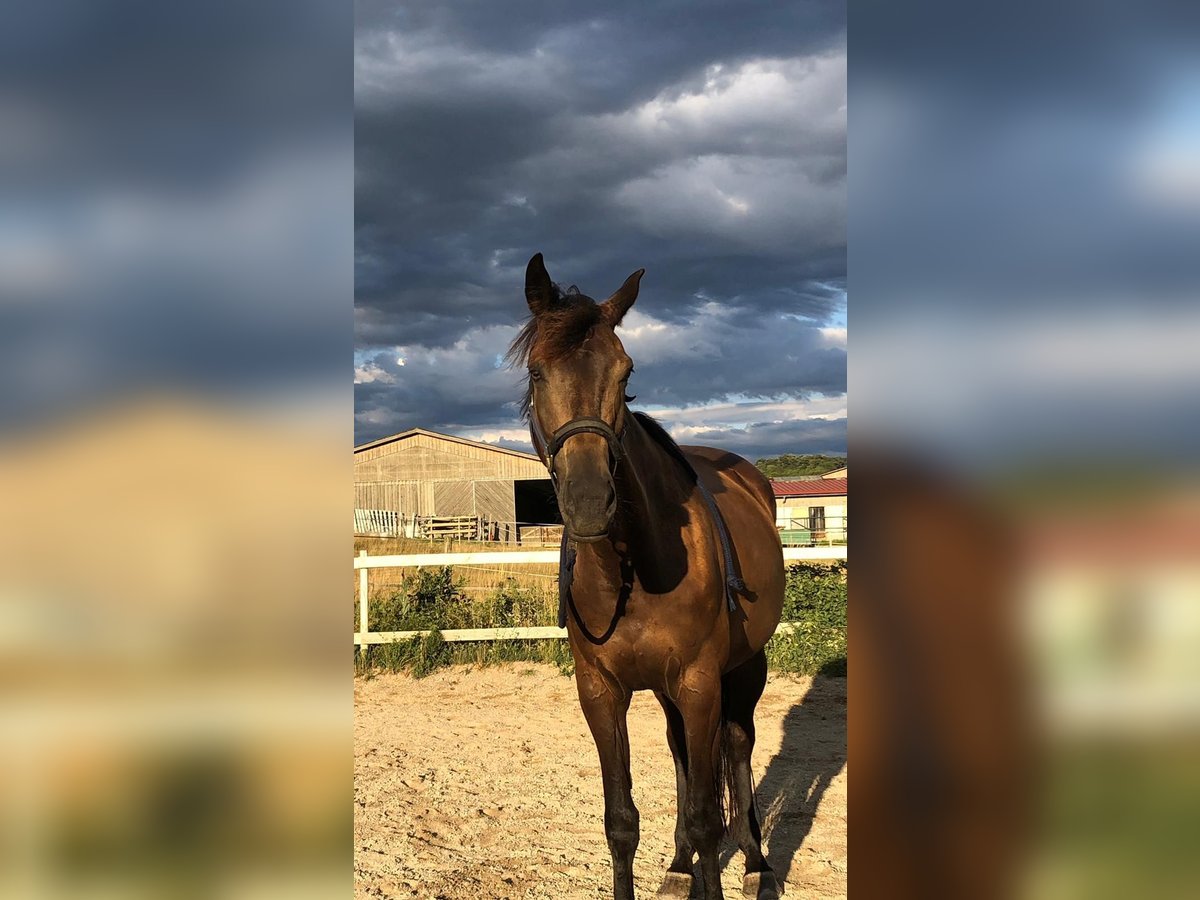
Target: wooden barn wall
409 497
453 498
424 458
428 476
495 500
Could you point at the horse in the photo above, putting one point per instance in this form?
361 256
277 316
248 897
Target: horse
676 584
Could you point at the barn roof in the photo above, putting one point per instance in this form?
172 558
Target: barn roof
445 437
817 487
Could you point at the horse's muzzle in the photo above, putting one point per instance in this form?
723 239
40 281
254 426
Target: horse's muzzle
588 509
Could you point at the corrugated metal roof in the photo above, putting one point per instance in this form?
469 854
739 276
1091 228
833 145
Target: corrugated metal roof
821 487
445 437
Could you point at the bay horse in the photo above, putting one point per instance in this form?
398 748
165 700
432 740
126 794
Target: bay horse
677 582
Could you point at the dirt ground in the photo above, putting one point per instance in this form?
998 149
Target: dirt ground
485 783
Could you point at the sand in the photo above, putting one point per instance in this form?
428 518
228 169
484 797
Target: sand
484 783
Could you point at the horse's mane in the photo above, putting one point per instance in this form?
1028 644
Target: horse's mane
557 332
659 435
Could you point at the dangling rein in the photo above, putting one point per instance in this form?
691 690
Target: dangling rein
733 582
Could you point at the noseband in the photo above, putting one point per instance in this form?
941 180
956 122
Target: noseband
582 425
551 448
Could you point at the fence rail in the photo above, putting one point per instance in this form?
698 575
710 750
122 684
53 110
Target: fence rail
390 523
363 563
801 531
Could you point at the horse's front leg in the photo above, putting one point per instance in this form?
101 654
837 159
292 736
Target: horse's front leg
605 704
678 880
699 704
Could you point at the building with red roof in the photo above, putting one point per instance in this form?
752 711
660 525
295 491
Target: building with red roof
811 511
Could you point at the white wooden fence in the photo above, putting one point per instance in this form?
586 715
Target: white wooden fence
364 563
381 522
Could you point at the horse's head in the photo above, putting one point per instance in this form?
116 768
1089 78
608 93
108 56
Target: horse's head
578 372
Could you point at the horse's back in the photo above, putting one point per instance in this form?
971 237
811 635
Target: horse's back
747 505
733 469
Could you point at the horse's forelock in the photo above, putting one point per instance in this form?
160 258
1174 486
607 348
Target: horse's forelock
556 333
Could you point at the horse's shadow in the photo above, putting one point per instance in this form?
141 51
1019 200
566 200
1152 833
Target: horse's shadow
811 754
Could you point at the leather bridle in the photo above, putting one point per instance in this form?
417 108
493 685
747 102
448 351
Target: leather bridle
734 584
550 449
581 425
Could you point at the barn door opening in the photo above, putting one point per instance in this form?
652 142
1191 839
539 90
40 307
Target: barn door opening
536 503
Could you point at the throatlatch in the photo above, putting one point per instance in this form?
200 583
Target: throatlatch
734 584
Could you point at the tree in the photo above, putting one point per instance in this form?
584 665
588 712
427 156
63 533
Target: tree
789 465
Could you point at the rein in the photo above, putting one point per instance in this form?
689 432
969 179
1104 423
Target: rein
582 425
566 553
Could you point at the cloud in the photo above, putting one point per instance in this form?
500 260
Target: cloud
707 148
775 438
721 368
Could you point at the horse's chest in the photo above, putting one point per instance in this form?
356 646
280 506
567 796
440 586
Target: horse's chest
652 639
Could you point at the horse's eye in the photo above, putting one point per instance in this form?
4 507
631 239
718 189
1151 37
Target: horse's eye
629 399
535 374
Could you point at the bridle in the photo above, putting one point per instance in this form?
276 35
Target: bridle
566 558
582 425
550 450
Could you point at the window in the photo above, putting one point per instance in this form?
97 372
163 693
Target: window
816 521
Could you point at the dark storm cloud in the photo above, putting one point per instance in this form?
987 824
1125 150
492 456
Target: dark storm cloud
606 56
704 142
775 438
717 353
758 439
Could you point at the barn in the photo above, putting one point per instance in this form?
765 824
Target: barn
421 483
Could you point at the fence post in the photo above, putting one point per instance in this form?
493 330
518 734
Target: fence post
362 608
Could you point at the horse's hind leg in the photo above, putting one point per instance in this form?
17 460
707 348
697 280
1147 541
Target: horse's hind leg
740 692
678 880
699 706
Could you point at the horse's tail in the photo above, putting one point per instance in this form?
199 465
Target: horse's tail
727 796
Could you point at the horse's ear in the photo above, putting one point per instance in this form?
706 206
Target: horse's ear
618 304
539 290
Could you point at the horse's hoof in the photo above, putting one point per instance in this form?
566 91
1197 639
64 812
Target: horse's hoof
761 886
676 884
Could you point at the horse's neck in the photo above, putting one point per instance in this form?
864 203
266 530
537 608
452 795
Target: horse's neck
652 488
652 480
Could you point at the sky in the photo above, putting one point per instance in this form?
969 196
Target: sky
704 142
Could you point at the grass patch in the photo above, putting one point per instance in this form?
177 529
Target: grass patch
432 599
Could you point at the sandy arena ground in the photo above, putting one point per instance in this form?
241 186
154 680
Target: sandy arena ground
485 784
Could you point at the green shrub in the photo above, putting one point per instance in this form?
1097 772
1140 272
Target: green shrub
815 600
816 593
515 606
427 598
431 600
419 656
